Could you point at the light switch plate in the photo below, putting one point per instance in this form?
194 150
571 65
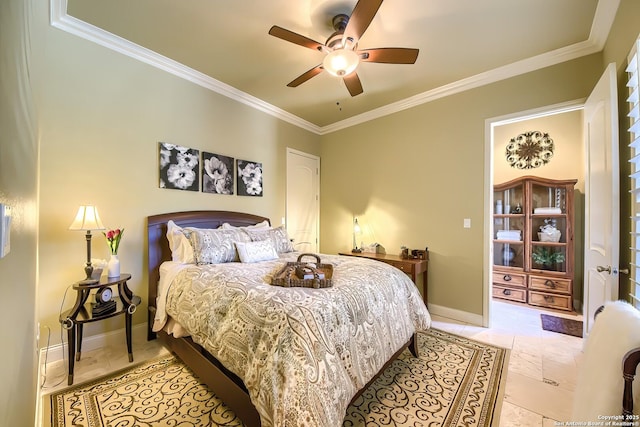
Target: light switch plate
467 223
5 230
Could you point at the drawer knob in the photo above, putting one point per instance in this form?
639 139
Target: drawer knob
548 298
550 283
506 278
506 291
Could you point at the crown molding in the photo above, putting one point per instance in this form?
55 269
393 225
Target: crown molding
61 20
515 69
603 20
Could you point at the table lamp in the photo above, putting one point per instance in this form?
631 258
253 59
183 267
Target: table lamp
356 230
87 219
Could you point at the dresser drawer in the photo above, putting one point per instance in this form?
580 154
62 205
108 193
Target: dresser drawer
550 284
512 294
403 266
511 279
542 299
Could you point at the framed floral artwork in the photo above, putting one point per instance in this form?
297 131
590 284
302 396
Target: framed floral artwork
179 167
249 178
217 173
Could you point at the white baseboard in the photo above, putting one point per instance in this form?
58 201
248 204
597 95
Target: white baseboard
461 316
93 342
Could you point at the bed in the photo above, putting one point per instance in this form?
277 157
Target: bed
288 355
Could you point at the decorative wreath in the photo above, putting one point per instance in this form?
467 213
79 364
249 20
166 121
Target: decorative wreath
529 150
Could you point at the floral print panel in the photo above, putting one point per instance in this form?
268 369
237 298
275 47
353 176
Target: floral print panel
217 173
249 178
179 167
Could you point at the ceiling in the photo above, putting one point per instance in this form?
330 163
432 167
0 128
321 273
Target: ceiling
225 45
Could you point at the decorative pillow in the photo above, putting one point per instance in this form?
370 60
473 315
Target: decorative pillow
261 250
215 246
263 224
278 236
181 249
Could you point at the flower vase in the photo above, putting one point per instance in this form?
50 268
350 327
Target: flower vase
114 266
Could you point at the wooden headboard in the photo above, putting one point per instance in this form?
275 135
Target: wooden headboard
159 245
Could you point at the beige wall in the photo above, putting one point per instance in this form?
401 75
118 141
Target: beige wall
18 189
564 129
415 175
102 115
568 162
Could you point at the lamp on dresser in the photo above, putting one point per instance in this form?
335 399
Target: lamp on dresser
356 230
87 219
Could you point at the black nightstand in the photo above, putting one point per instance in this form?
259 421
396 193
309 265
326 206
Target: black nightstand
82 312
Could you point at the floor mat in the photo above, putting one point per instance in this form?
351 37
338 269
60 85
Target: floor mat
561 325
455 381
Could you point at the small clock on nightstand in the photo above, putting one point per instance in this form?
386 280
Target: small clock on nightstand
104 304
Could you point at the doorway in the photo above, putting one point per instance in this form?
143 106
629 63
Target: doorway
564 125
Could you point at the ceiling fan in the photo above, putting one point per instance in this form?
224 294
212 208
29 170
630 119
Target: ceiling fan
341 48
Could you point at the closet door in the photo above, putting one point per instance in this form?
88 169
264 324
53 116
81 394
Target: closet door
303 200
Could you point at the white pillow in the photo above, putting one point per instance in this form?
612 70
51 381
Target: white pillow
215 246
256 251
615 331
278 237
263 224
181 249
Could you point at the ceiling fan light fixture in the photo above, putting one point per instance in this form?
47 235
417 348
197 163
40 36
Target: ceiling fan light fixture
341 62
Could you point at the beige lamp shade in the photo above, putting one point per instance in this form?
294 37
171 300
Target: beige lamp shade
87 218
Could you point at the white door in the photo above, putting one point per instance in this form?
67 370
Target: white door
303 200
602 196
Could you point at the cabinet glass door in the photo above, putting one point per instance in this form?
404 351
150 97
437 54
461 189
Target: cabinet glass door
548 228
509 227
549 257
509 201
548 200
508 254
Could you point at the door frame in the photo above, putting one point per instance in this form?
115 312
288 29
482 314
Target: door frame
489 145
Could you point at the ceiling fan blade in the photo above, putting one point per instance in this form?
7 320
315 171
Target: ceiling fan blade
360 19
389 55
306 76
295 38
353 84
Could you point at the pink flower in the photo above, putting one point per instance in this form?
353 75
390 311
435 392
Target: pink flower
113 239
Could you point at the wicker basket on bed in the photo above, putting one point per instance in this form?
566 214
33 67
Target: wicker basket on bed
304 274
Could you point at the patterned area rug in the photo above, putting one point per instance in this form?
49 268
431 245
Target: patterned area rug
454 382
561 325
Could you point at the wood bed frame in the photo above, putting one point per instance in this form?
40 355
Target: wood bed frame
224 383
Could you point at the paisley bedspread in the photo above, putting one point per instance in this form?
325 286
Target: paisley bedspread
302 353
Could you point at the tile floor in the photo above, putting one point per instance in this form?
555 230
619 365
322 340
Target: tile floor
540 381
542 365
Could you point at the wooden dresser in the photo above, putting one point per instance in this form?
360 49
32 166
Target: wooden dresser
412 267
533 242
